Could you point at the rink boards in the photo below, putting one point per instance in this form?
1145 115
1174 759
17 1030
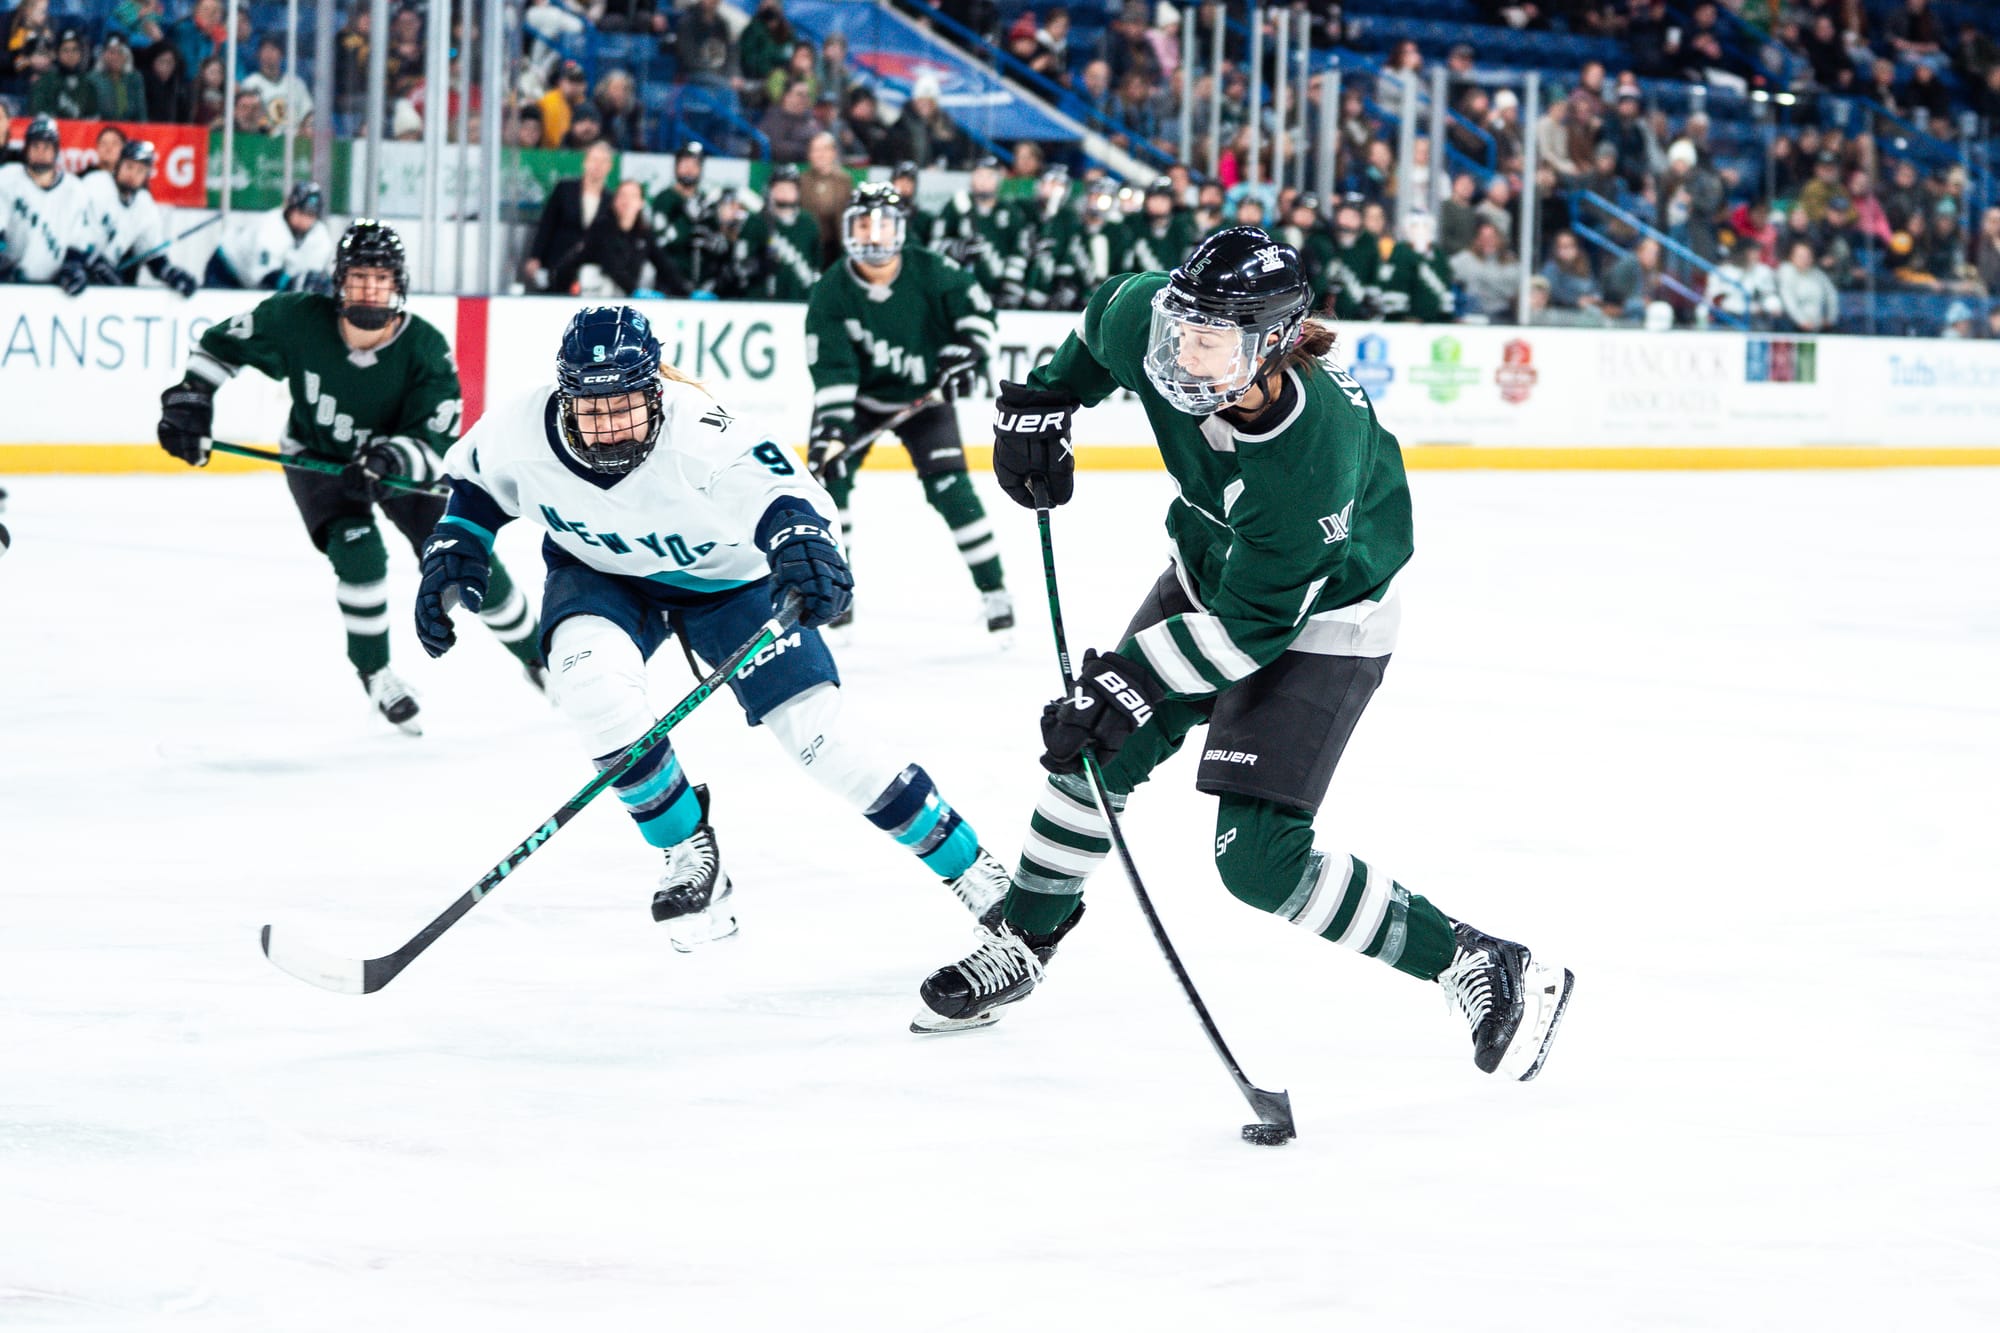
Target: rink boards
80 379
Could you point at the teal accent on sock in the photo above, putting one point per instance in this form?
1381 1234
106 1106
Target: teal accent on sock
484 537
926 819
675 824
654 787
955 855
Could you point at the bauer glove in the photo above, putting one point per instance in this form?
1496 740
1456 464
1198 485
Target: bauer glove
1113 697
1031 430
187 419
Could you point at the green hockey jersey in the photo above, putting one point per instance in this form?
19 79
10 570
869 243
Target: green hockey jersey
1147 245
1275 532
1416 286
1354 273
877 345
777 259
342 400
994 243
689 231
1316 253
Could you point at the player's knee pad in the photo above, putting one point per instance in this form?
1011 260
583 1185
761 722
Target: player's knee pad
808 726
354 547
1261 849
598 678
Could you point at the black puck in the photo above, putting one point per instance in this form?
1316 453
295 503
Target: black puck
1268 1136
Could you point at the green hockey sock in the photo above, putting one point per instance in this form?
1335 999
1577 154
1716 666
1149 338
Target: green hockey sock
361 563
1068 838
506 613
840 488
952 495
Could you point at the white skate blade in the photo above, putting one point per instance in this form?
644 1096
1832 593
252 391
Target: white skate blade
928 1024
690 932
409 728
1545 997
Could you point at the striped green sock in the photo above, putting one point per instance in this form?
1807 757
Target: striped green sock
1348 901
1068 838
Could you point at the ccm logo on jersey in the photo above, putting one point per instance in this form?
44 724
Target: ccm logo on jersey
1128 698
764 658
1028 422
1229 757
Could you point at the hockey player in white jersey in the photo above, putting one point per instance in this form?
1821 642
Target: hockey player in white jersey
285 250
664 516
44 222
131 232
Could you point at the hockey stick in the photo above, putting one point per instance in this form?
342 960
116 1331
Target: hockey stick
307 463
354 976
167 245
1274 1109
928 400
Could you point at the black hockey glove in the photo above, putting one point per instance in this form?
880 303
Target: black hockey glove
805 560
362 479
74 275
8 268
1065 296
102 272
1113 697
179 279
825 454
1031 443
958 371
455 570
187 419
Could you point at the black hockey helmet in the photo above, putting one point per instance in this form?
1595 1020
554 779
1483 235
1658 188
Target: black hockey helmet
1161 185
609 351
785 171
369 244
43 129
135 150
885 205
306 197
905 170
1235 306
693 148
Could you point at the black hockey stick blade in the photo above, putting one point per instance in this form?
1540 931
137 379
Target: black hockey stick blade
365 976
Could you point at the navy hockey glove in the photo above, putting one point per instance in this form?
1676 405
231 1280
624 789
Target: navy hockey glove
455 567
179 279
1031 430
958 371
831 437
1113 697
362 478
805 560
187 419
102 272
74 275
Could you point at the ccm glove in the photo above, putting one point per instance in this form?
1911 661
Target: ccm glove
1031 429
958 371
74 275
187 419
805 560
363 477
824 454
455 567
1113 697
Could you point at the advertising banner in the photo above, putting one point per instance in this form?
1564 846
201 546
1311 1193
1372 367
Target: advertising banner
257 177
181 176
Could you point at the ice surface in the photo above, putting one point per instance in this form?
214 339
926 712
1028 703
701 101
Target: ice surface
1724 744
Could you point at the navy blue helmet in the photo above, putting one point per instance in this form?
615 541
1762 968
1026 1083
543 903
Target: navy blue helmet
609 351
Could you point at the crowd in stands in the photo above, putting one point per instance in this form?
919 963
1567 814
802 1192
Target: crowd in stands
1659 184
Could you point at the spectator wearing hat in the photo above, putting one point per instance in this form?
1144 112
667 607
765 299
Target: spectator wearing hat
66 91
1504 123
864 126
924 134
286 102
27 26
586 127
527 129
790 125
169 90
120 92
559 103
1960 320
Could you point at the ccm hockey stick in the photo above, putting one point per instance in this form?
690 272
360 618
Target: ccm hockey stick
355 976
306 463
1274 1125
928 400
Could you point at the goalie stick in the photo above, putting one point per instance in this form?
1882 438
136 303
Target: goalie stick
356 976
1274 1124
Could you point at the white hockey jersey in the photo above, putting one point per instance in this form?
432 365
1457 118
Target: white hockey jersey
118 229
262 244
686 518
41 226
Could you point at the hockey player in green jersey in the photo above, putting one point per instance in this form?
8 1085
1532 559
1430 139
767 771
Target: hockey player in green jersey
374 388
1416 281
1159 238
992 239
1305 233
922 229
777 251
1272 626
885 329
1354 271
1082 253
1052 278
687 221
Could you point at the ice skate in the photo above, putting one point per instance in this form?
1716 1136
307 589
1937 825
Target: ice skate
998 607
1005 967
983 888
393 700
1511 1003
694 897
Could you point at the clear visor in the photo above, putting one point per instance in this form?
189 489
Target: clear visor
873 235
1199 363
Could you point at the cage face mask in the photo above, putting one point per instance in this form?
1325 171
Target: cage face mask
1203 363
